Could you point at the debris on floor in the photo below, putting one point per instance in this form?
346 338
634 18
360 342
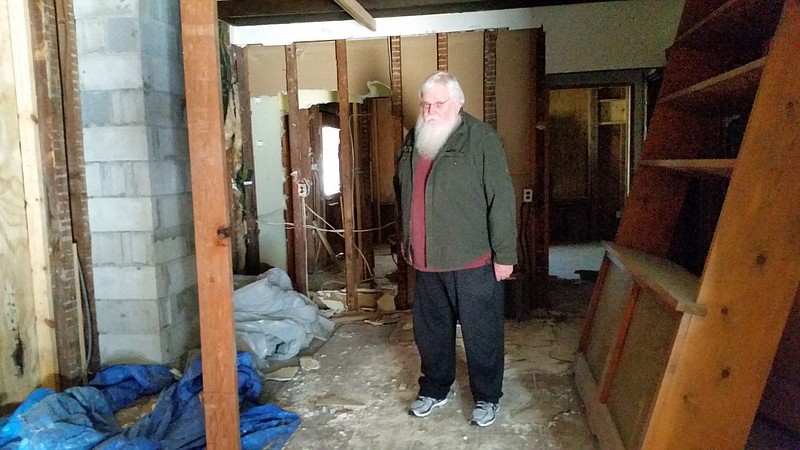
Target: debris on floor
309 363
83 417
282 374
274 322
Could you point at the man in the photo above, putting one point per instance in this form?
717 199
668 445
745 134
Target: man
459 232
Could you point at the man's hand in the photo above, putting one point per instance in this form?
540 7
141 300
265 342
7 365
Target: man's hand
502 271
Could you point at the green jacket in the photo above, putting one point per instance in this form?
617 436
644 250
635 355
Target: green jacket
469 199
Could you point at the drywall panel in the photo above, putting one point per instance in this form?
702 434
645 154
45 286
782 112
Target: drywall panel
580 38
367 60
513 102
316 66
266 70
269 175
418 56
465 61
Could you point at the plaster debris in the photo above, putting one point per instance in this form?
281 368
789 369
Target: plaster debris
309 363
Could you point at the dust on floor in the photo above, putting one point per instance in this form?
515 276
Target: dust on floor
367 376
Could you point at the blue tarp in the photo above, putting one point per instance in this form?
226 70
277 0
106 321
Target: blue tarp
83 417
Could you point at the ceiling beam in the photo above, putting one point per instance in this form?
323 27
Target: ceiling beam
264 12
358 13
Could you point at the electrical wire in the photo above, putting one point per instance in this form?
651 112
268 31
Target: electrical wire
88 316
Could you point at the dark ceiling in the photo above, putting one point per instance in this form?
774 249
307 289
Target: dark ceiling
260 12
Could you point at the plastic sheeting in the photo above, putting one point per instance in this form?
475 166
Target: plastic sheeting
274 322
83 417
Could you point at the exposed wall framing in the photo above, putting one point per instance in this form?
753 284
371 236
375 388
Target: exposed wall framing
76 167
252 256
490 77
396 76
441 51
53 136
346 176
300 249
539 228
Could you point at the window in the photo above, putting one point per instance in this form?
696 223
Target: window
330 161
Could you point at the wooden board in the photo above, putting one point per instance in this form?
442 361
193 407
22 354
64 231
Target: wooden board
210 198
346 176
18 343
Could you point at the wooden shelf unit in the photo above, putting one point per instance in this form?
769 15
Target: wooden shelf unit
726 92
671 349
717 167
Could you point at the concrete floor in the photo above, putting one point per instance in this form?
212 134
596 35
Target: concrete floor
367 376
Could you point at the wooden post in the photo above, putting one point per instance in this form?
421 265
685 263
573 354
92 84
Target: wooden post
346 174
539 228
211 202
252 259
490 77
36 213
296 161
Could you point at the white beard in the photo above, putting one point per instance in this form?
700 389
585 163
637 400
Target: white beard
429 138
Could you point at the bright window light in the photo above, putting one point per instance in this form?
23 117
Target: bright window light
330 160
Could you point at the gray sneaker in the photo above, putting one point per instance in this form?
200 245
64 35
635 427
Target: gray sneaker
423 406
484 414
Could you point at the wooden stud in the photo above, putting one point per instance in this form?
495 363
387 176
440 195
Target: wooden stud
539 225
346 174
591 160
441 51
211 202
35 195
76 166
490 77
252 260
296 178
396 76
365 191
56 183
616 349
597 414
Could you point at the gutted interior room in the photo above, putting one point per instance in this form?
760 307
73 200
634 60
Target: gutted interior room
399 224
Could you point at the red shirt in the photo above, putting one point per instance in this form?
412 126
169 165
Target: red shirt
418 248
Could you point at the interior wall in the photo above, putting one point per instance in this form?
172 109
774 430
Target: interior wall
580 38
514 105
465 61
418 59
368 60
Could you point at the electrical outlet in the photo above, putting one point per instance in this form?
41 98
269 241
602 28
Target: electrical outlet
303 189
527 195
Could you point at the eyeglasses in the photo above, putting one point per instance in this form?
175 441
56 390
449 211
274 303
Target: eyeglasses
436 105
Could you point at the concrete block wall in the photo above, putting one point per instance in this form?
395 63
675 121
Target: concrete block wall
138 182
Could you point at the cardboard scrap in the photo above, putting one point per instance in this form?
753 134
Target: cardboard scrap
336 402
283 374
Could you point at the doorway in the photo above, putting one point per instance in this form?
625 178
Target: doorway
589 161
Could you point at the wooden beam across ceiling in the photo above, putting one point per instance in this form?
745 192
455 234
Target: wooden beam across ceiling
264 12
358 13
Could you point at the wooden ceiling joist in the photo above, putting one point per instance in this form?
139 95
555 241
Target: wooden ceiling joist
358 13
262 12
